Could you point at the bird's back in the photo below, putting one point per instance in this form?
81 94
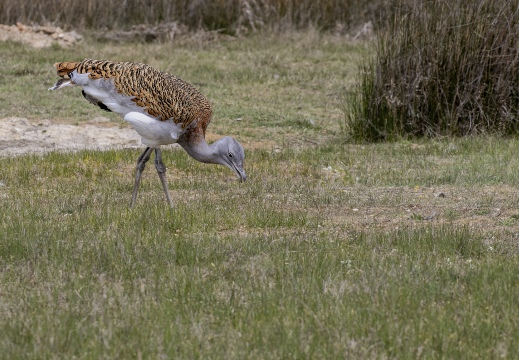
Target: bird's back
159 94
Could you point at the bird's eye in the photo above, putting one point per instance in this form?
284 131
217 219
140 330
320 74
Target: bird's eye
230 154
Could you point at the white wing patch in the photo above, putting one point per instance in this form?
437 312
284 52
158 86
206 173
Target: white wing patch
105 91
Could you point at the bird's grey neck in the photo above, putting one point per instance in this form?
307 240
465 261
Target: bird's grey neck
200 151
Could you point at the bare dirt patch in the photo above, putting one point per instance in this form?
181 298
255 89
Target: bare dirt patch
20 136
489 209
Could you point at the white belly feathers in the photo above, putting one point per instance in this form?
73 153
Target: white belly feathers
153 131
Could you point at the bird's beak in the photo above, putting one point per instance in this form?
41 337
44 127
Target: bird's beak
238 170
241 174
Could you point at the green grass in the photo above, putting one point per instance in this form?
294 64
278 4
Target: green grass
327 251
253 270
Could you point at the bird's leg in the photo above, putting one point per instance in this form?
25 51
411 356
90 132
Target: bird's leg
141 164
161 170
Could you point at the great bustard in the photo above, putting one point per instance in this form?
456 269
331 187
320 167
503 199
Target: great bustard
162 108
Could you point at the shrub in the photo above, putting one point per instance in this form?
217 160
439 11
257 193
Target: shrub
442 68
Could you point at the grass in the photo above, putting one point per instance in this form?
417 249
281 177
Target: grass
329 250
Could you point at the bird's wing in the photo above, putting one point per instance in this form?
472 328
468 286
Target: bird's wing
161 95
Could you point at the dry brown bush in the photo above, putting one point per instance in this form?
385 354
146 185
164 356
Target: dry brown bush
230 15
444 68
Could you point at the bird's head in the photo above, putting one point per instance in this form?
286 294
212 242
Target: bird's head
231 154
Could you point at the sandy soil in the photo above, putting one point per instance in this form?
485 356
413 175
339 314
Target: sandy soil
21 136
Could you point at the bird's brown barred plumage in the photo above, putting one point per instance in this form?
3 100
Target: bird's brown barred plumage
114 86
161 95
